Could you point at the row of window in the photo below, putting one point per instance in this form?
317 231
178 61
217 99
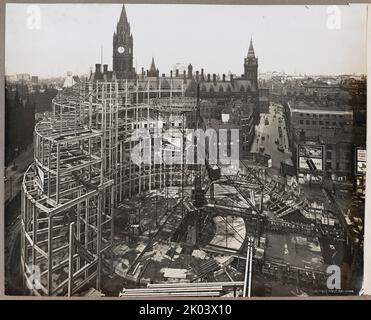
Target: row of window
314 115
348 166
329 155
151 125
326 123
221 89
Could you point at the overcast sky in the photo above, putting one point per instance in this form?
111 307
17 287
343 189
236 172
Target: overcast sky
294 39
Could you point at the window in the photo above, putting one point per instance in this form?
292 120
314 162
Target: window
334 123
314 116
328 165
321 122
301 122
327 123
307 122
314 122
329 155
301 114
320 115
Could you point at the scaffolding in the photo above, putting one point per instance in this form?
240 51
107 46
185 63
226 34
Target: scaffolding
83 169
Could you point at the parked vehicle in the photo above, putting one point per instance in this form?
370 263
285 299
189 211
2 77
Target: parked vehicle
280 132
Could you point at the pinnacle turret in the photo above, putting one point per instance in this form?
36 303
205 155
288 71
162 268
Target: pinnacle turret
251 52
123 17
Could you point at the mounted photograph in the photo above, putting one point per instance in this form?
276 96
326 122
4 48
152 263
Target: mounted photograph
173 150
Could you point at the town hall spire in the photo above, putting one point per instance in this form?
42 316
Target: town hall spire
251 52
251 66
123 16
123 49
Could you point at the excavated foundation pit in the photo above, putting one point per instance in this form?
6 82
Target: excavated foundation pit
153 248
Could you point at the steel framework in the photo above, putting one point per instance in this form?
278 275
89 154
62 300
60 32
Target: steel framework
82 170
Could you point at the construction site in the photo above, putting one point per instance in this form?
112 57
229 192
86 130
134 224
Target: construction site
90 213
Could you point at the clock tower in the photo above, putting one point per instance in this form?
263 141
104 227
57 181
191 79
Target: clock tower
251 66
123 49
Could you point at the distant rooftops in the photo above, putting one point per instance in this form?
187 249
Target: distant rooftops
331 108
70 80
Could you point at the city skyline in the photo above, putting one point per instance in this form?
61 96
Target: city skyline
316 49
141 182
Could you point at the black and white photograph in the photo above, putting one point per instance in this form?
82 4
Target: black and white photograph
184 150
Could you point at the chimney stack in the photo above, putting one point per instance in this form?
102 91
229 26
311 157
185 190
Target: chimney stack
231 77
190 73
142 71
97 68
197 76
202 75
171 73
177 73
163 75
208 77
223 77
214 77
105 68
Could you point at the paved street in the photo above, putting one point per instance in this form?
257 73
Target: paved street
13 178
267 134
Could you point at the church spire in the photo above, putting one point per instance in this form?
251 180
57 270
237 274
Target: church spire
251 52
251 66
123 48
123 17
153 72
153 66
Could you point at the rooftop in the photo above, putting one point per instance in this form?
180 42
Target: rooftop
304 106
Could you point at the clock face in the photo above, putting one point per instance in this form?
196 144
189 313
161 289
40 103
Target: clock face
121 49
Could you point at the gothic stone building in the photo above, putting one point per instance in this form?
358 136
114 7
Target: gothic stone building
223 90
123 49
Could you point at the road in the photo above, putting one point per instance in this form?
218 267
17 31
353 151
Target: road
270 134
13 177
